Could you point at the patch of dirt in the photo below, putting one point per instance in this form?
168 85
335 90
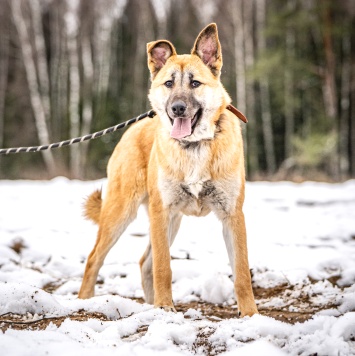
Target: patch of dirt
291 310
202 345
18 244
30 322
52 286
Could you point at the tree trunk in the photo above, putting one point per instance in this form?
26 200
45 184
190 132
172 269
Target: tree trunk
30 68
265 93
43 74
239 60
102 46
251 130
87 99
289 85
352 138
161 9
4 65
144 35
345 105
239 54
74 85
329 86
330 92
352 122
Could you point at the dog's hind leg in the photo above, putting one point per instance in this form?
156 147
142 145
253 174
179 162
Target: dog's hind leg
146 262
116 214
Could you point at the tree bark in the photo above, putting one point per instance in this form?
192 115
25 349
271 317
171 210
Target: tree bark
30 69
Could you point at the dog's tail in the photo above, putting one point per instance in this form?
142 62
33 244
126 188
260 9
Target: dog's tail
92 207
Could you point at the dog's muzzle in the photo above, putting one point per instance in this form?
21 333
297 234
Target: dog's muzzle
182 125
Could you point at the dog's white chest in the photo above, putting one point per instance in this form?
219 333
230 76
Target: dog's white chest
199 197
195 187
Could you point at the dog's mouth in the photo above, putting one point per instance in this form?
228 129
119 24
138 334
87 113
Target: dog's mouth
183 127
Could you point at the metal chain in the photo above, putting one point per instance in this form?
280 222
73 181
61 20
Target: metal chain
5 151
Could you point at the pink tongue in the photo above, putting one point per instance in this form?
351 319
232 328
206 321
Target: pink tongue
181 128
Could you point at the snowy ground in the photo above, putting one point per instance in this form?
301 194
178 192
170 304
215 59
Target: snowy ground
302 254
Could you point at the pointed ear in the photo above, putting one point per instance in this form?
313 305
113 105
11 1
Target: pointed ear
158 54
208 48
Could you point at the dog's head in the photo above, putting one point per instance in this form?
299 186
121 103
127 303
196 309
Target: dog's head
186 91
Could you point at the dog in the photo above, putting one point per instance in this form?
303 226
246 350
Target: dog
188 160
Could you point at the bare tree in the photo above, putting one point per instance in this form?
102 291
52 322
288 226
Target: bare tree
30 68
43 73
58 68
250 91
4 65
72 27
87 98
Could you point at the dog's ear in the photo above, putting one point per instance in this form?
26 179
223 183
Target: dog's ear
208 48
158 53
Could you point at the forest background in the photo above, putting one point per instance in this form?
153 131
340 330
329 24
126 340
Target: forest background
71 67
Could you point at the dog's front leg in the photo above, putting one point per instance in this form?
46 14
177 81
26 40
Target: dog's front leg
146 262
234 234
162 276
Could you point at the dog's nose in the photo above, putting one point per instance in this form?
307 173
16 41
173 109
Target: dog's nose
178 108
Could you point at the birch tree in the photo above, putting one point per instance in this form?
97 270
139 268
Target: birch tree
72 26
41 60
34 91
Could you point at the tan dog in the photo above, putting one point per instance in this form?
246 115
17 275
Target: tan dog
187 160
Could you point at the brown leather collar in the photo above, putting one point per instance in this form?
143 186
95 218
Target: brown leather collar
237 113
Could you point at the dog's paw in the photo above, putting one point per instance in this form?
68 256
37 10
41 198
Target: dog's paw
247 312
167 308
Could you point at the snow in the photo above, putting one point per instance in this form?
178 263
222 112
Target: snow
301 238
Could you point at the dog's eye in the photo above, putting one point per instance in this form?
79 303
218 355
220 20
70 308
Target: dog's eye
169 83
195 84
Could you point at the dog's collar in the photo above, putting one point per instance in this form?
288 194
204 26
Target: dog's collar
237 113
